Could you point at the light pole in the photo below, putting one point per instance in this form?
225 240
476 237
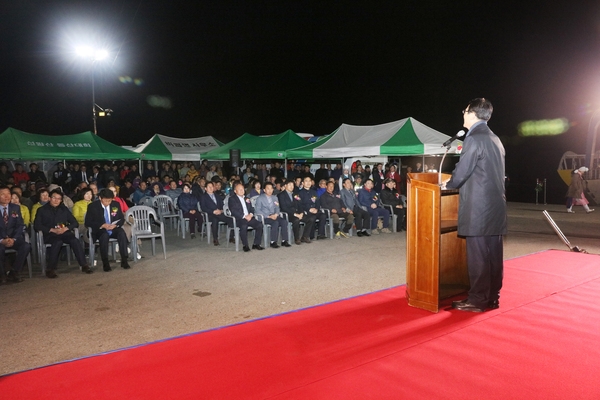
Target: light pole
94 55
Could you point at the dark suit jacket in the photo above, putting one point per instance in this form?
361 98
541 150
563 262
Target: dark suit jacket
235 206
208 205
480 176
94 218
289 206
16 227
78 177
47 217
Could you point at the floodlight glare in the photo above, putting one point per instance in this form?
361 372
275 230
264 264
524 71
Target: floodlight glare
100 54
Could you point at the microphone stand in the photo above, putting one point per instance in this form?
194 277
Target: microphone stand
441 163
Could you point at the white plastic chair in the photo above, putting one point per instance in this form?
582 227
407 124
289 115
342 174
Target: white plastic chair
92 251
166 209
141 228
43 246
9 250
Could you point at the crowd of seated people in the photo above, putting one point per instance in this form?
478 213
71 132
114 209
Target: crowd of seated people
348 195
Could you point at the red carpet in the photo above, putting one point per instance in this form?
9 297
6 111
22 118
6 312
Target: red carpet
543 343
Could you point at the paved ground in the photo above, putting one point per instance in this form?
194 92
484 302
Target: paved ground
200 286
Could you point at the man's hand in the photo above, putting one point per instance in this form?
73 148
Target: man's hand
218 212
192 211
333 211
274 216
373 205
313 211
108 227
248 217
299 215
8 242
59 231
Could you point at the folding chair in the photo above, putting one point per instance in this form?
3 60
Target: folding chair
141 228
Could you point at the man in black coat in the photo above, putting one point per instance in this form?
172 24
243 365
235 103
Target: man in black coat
105 218
12 236
289 202
482 211
56 222
243 212
311 205
212 204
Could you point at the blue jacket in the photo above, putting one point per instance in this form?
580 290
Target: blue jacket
366 198
187 202
309 199
16 227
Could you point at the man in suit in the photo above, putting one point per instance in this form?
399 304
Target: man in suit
212 204
289 202
243 212
311 205
361 217
482 211
81 176
12 236
55 221
369 199
105 218
267 205
332 202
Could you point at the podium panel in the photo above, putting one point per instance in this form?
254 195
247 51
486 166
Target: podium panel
436 257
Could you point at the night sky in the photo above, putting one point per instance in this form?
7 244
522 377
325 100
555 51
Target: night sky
223 68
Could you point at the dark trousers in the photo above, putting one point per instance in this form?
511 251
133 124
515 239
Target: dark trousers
103 237
309 223
401 213
195 219
275 225
22 248
486 268
243 224
377 212
320 225
214 223
361 218
56 242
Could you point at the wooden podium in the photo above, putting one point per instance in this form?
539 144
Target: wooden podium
436 258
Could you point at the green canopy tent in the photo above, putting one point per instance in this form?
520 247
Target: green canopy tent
258 147
161 147
406 137
19 145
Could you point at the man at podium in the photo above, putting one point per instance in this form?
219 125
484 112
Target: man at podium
482 211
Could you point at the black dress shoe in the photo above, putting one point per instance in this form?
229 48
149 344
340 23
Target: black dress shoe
321 237
285 244
298 242
216 242
493 305
274 245
246 249
365 234
86 268
469 307
305 240
193 236
359 234
258 247
459 302
50 273
232 240
13 276
125 265
106 268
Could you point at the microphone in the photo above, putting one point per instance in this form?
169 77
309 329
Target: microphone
460 134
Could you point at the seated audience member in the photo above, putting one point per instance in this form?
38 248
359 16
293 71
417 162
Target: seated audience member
378 177
188 204
289 203
56 222
142 191
212 204
22 199
255 189
198 187
35 175
311 205
67 201
395 176
243 212
12 234
369 198
389 196
106 219
80 208
193 172
43 196
25 214
361 217
173 191
247 176
94 187
19 175
267 205
358 184
322 187
345 175
156 189
5 174
332 202
125 192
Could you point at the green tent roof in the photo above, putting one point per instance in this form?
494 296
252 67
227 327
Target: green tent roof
19 145
258 147
161 147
